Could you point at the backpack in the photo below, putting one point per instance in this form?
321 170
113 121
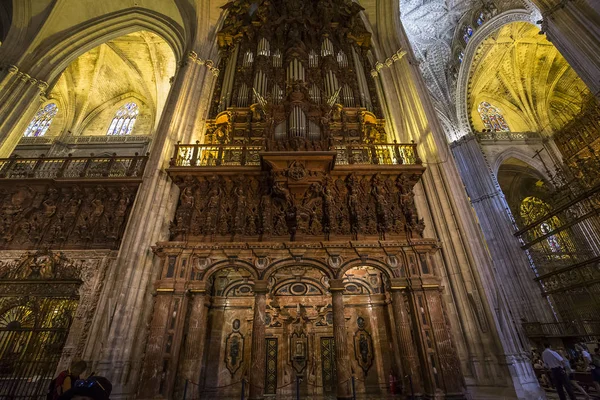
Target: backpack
55 384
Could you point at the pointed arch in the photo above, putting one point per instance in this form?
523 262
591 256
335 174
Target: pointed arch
55 53
464 73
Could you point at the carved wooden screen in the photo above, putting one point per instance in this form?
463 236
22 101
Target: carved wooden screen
38 299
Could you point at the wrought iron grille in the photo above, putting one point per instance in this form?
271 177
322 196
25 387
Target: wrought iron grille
33 332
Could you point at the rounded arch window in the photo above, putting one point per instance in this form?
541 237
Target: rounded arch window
124 120
40 123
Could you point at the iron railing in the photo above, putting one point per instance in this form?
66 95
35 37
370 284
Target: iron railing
562 329
73 167
202 155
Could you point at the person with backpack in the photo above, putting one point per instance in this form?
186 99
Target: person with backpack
66 380
92 388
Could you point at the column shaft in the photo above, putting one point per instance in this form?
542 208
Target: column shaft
406 344
257 362
342 359
195 343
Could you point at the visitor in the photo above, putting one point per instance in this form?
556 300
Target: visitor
556 364
65 380
543 377
572 380
582 348
595 370
92 388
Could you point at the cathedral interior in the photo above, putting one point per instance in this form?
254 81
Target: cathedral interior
324 199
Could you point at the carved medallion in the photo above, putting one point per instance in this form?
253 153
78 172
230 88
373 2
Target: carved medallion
363 346
234 348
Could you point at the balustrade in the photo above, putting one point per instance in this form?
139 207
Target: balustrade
201 155
105 167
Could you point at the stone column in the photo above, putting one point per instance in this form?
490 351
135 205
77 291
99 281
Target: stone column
574 28
257 361
195 342
20 97
404 338
515 293
342 359
123 352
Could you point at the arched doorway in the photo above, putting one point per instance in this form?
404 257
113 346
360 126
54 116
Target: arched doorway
34 327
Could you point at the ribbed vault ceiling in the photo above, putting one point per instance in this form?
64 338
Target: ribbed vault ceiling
137 65
523 74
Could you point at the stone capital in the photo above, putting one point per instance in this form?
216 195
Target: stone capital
336 285
398 284
261 287
197 287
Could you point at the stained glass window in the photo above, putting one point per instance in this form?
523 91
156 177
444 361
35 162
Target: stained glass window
468 33
492 118
124 120
481 19
41 122
533 209
461 56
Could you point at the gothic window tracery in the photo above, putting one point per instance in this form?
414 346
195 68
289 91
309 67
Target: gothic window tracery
124 120
492 118
40 124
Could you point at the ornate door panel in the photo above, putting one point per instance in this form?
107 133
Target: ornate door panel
328 364
33 332
271 366
38 299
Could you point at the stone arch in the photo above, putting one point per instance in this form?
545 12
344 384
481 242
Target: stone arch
219 265
464 73
289 262
379 265
6 17
54 54
513 152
